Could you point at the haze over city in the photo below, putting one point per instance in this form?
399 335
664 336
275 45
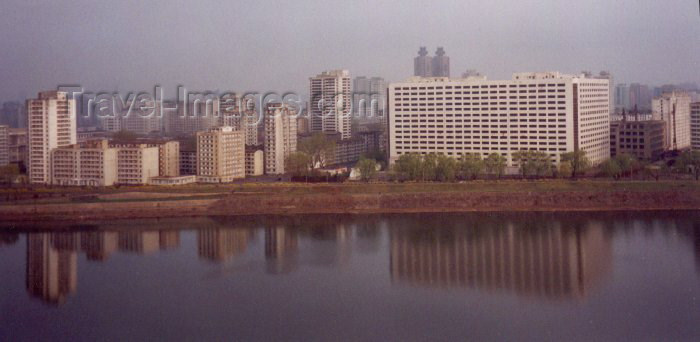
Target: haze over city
268 46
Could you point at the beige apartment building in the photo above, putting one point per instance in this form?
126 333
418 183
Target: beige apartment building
280 137
91 163
51 124
330 103
100 163
168 154
543 111
674 108
220 155
136 164
4 145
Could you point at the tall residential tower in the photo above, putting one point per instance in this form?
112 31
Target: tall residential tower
51 124
330 105
280 137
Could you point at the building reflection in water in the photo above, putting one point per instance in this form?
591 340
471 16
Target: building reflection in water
52 258
332 244
221 244
169 239
8 238
98 246
281 250
52 266
547 261
531 257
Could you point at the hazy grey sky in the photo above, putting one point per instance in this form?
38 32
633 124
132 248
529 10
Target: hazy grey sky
275 46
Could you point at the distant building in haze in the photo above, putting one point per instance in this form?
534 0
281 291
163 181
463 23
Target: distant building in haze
12 114
674 108
441 64
423 64
369 98
330 103
427 66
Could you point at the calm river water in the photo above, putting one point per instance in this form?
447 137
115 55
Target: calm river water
602 276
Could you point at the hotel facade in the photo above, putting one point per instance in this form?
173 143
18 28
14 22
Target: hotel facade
548 111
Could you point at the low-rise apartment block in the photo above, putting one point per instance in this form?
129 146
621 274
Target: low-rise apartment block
642 139
91 163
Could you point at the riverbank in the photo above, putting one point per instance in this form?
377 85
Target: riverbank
76 204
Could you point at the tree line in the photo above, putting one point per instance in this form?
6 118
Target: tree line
469 166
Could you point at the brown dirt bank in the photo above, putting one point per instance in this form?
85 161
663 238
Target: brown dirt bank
358 203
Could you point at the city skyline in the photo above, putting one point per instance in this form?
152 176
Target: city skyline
631 39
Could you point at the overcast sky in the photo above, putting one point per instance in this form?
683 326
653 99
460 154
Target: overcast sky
276 45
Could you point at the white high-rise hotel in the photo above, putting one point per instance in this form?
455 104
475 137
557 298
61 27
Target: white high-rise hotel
330 105
547 111
51 124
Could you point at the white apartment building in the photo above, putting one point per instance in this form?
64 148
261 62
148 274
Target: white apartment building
51 124
330 105
220 155
546 111
91 163
4 145
674 108
695 125
280 137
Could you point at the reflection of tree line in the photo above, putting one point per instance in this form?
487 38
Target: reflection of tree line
541 256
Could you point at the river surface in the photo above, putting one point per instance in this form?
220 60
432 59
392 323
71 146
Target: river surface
577 276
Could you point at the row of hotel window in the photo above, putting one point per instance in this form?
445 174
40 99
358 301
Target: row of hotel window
500 141
502 103
478 151
476 115
483 86
478 109
442 123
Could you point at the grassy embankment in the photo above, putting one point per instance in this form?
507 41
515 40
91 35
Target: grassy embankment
46 195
